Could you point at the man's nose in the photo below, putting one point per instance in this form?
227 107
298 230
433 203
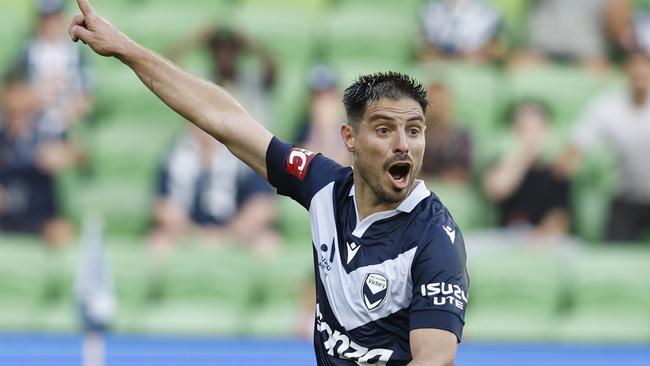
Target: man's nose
401 142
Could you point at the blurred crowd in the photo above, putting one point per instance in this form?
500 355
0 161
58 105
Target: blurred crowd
44 93
204 192
529 182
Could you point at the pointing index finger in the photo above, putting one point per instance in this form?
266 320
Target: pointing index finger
85 8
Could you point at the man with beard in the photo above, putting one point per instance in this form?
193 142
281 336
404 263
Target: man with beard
390 271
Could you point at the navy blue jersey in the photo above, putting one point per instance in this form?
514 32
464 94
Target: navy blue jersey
377 278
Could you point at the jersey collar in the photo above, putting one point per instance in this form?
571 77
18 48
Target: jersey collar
418 193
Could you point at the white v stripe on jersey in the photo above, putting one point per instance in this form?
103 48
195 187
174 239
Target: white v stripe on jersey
348 300
344 289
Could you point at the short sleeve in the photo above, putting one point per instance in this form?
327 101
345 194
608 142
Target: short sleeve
299 173
440 283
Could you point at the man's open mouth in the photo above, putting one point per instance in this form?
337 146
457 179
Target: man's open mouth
399 172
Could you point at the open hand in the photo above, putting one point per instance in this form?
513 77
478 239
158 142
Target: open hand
97 32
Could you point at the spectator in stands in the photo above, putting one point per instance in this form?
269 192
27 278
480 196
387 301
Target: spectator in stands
620 120
531 192
250 85
204 189
56 68
448 153
323 120
30 155
637 36
461 29
574 31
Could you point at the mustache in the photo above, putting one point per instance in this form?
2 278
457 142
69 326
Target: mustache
398 158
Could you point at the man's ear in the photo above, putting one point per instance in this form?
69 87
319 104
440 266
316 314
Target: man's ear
347 133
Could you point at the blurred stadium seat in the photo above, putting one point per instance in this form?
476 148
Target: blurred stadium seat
125 202
611 286
157 24
466 204
515 294
567 89
293 222
382 34
15 20
513 12
591 191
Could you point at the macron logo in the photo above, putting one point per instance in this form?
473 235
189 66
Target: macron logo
353 248
451 233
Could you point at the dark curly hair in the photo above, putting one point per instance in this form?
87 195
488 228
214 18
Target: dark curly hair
373 87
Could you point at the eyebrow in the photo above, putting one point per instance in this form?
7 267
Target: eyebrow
416 118
378 116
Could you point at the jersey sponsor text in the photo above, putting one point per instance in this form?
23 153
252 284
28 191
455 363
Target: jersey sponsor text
347 349
445 293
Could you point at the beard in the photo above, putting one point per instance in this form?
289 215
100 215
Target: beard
373 178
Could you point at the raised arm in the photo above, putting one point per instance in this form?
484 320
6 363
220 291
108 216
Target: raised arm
201 102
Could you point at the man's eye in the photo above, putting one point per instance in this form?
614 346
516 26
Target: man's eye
414 132
383 131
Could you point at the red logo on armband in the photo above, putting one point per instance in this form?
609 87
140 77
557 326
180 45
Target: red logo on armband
298 162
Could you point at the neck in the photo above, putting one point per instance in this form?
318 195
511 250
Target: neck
368 203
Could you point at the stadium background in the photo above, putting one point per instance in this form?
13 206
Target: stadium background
538 304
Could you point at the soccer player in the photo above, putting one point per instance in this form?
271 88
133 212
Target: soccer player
390 262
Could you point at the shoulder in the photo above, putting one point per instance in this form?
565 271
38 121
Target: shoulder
315 168
331 182
433 214
298 162
439 235
300 173
322 163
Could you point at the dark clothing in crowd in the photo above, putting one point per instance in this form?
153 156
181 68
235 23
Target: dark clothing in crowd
30 197
540 192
